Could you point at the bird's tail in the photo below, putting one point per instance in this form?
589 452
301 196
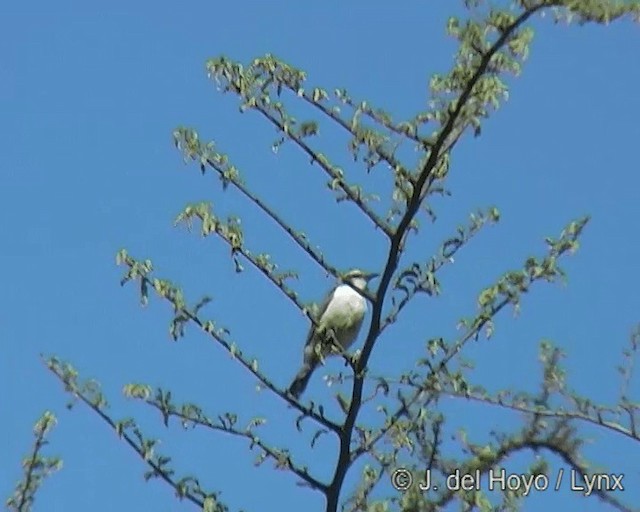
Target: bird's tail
301 380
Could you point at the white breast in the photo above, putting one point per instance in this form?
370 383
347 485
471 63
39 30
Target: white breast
346 300
344 315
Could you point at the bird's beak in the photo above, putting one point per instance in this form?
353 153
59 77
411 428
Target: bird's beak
371 276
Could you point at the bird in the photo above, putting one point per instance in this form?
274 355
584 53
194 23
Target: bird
339 319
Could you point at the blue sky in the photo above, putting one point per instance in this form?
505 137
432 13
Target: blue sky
90 98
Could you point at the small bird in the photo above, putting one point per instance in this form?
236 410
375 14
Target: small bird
339 319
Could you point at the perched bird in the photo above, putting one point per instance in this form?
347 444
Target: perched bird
339 319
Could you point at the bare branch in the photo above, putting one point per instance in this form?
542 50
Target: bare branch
188 141
89 394
36 467
190 414
183 314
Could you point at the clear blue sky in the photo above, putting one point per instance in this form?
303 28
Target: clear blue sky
89 99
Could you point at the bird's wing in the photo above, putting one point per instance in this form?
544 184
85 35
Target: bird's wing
320 311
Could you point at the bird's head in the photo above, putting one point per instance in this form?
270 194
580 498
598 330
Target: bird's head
358 278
